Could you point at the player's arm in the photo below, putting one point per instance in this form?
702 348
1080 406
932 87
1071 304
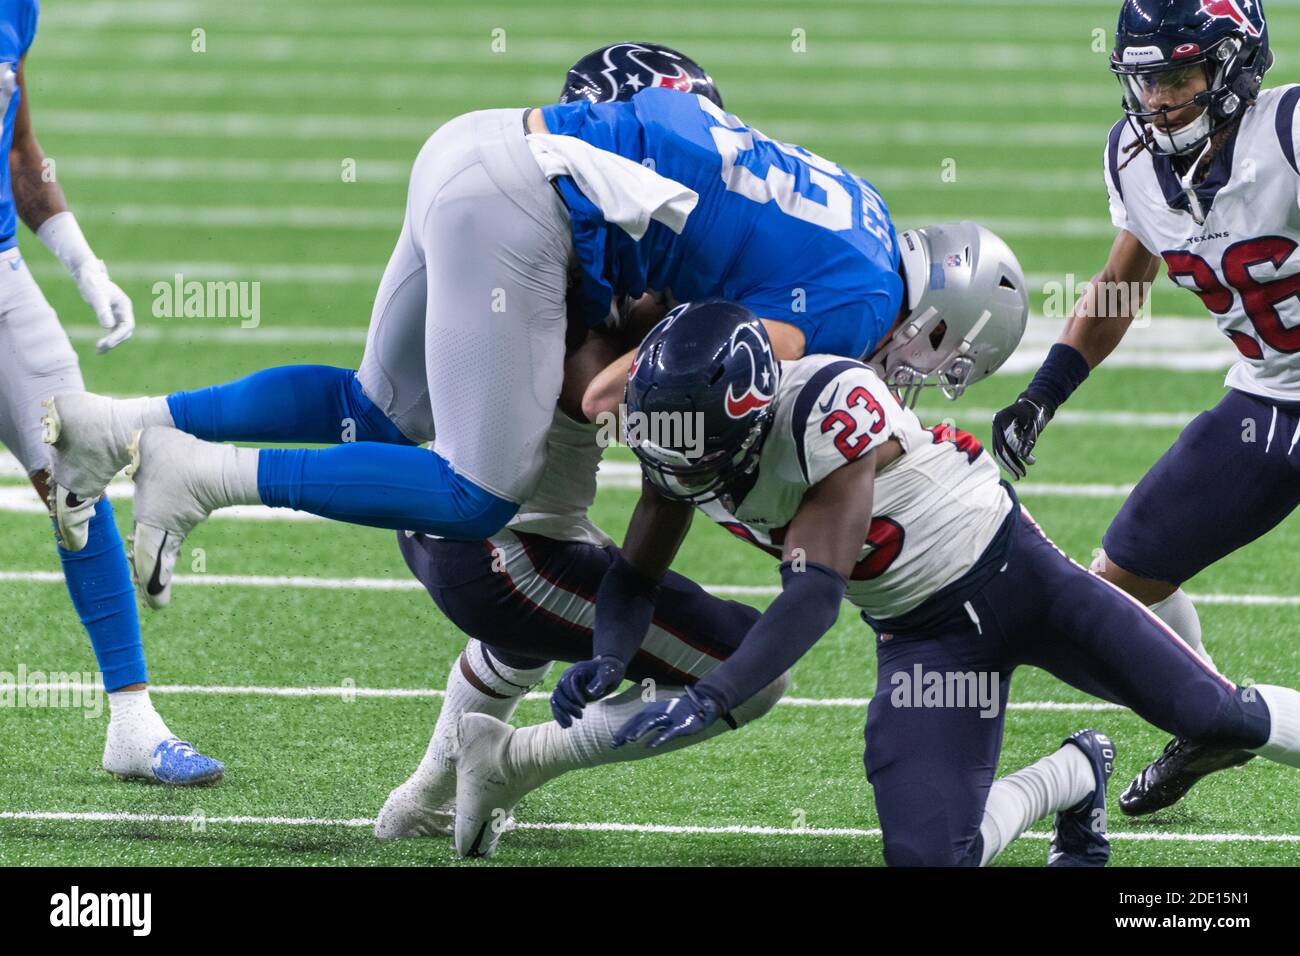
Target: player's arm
606 389
40 203
1098 322
821 547
625 602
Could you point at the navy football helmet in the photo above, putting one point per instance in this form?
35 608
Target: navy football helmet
618 71
1158 41
699 400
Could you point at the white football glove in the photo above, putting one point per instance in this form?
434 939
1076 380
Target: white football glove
62 236
111 305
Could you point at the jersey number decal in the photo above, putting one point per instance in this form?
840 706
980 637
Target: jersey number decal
742 148
851 447
1259 298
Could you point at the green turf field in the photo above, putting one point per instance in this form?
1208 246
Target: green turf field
230 163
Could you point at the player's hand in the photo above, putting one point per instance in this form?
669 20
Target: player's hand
669 719
582 683
1015 432
112 306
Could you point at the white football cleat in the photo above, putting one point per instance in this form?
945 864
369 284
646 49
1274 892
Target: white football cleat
86 453
166 507
486 790
419 808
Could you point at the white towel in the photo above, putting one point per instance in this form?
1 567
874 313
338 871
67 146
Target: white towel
628 194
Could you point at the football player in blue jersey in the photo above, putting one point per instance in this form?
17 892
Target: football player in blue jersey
37 360
815 462
662 194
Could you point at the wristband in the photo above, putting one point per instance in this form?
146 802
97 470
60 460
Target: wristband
62 235
1061 373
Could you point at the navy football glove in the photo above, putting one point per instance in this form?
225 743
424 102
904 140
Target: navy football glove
582 683
688 714
1016 429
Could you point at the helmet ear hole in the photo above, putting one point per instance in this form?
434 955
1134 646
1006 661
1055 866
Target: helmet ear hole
937 334
1006 283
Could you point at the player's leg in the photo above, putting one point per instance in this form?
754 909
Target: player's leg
530 597
38 360
931 760
385 401
1230 477
1097 636
496 247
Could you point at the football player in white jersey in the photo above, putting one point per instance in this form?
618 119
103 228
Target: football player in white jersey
1202 174
525 597
816 460
36 361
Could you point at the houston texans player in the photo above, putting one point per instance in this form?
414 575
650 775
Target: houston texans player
662 193
37 360
524 597
1202 173
824 469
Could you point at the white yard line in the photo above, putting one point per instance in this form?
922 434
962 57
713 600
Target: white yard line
433 693
405 584
59 816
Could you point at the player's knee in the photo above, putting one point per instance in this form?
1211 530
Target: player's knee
920 848
762 702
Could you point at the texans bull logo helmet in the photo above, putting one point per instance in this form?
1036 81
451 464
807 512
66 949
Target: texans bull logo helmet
621 70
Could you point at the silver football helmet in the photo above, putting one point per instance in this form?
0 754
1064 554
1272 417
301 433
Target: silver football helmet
967 307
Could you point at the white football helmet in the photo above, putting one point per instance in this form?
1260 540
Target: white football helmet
967 307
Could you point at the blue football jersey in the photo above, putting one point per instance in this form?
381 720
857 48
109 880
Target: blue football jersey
782 231
17 31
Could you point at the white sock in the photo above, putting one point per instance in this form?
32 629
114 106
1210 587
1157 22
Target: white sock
132 414
506 687
544 751
1283 744
1057 782
133 713
1179 613
227 478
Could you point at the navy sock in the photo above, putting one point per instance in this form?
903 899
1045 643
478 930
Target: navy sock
384 486
99 583
291 403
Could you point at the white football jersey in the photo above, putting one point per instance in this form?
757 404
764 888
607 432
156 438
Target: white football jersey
558 507
1242 260
936 508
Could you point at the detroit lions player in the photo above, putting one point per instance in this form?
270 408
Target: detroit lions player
1202 174
817 463
37 360
663 193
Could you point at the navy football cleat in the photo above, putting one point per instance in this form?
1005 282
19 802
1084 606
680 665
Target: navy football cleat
1166 780
1079 833
176 762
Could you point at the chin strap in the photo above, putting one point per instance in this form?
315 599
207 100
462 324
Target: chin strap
1194 201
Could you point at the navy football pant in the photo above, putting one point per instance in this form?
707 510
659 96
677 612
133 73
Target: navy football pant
1232 475
531 599
931 767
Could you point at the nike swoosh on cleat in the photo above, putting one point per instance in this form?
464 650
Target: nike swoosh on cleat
72 501
155 587
830 401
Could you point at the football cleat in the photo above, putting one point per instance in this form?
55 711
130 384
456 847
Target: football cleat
1079 833
166 508
84 457
485 791
173 762
419 808
1166 780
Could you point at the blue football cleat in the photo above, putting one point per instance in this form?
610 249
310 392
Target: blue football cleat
176 762
1079 833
